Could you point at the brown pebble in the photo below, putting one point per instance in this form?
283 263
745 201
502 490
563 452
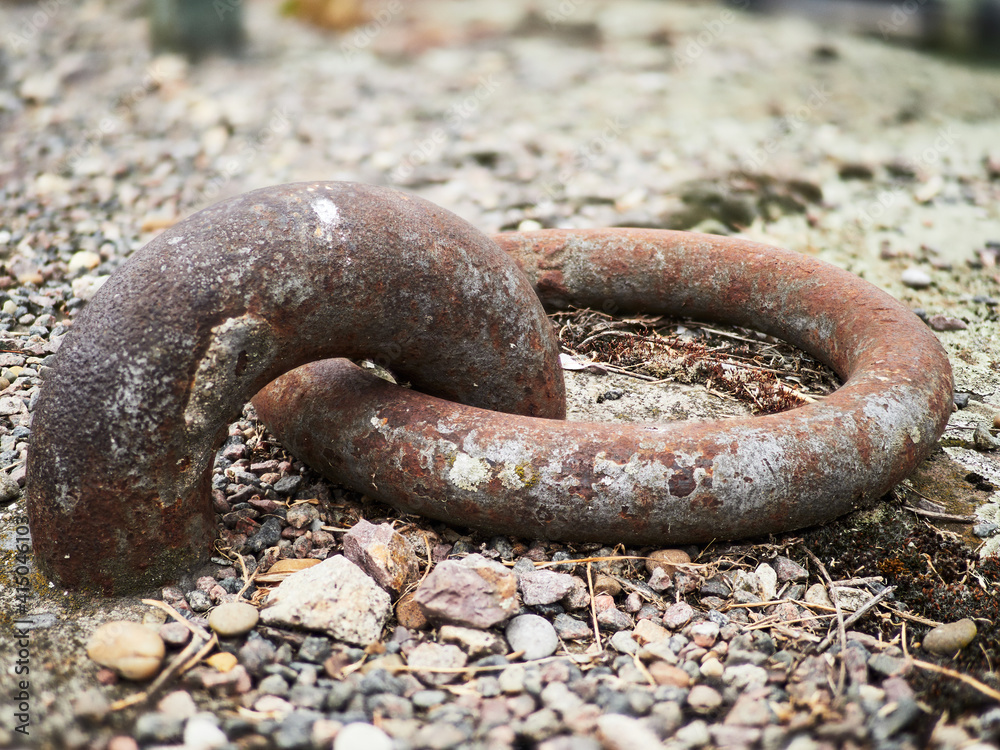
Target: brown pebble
667 560
996 421
668 674
950 638
409 614
605 584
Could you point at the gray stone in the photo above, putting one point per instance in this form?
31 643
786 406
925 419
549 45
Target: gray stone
335 597
158 728
474 592
624 643
9 489
288 485
544 586
569 628
614 619
533 635
429 656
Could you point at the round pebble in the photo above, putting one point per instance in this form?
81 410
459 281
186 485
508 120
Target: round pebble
667 560
532 634
704 699
915 278
233 619
950 638
132 650
360 734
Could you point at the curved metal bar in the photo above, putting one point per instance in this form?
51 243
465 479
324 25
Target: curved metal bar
646 483
187 330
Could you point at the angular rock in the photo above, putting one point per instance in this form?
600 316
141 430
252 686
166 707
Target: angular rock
476 643
678 615
571 629
335 597
474 592
788 570
383 553
767 582
544 586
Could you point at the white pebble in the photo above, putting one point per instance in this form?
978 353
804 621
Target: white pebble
916 278
360 735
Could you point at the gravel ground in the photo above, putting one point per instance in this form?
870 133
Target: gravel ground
580 113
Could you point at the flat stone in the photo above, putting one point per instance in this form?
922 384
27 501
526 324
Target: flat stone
624 643
233 619
436 656
335 597
473 592
544 586
533 635
647 631
950 638
476 643
132 650
383 553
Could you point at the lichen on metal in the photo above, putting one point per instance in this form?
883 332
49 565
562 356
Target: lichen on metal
193 324
646 483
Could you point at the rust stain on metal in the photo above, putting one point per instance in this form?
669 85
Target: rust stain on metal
646 483
216 307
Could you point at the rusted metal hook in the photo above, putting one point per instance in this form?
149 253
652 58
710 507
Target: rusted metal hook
197 321
646 483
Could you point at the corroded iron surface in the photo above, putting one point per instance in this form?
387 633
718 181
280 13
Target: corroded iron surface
181 336
646 483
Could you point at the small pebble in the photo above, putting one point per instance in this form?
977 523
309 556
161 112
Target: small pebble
132 650
233 618
667 560
915 278
704 699
950 638
361 735
532 634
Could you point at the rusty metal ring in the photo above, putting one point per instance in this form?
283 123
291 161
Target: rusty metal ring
646 483
185 332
